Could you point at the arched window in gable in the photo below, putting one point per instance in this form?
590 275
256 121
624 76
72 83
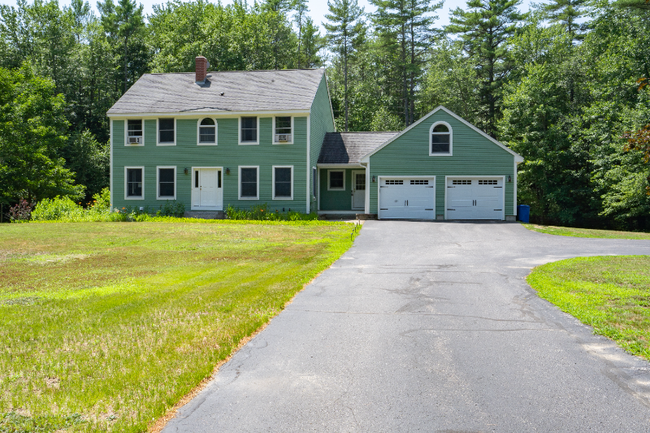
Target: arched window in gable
440 139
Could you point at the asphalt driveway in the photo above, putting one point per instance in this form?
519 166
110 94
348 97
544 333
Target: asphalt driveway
430 327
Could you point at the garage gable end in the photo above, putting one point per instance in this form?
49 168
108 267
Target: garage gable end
470 174
428 136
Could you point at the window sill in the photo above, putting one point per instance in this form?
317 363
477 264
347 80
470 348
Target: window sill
249 198
165 144
249 143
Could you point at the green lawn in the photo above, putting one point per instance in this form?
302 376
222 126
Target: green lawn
105 326
611 294
586 233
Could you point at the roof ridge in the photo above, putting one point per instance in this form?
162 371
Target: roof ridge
236 72
366 132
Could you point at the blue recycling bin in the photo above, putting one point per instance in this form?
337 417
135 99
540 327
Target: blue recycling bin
523 213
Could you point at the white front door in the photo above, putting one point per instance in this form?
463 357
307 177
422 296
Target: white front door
207 191
358 189
475 198
407 198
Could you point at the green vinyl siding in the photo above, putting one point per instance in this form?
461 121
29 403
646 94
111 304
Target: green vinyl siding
335 200
226 154
473 155
321 122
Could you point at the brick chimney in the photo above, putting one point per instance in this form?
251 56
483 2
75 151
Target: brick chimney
201 69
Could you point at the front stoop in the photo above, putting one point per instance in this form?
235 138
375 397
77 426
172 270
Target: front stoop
206 214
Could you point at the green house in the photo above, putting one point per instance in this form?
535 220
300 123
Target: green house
219 139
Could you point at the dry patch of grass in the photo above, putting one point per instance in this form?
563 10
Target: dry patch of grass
105 326
611 294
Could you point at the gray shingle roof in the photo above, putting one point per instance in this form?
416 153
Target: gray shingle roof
349 147
243 91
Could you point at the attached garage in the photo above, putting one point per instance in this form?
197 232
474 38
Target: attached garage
475 198
439 168
407 197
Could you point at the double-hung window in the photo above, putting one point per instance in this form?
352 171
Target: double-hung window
248 130
207 132
166 180
283 130
166 132
283 182
440 143
335 180
133 183
134 132
248 183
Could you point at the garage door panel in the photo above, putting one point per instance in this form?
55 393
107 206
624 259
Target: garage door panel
475 198
407 198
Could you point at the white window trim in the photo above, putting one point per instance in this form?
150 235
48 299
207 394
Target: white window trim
329 183
198 132
158 143
158 197
451 139
292 132
248 143
257 197
126 133
273 180
126 183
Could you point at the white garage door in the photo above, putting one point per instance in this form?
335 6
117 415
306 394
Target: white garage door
407 198
475 198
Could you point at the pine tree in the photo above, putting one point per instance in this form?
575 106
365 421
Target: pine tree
567 13
345 25
312 43
406 26
484 30
301 17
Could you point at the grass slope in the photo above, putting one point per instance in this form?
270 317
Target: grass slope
611 294
105 326
586 233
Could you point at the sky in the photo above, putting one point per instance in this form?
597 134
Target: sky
317 8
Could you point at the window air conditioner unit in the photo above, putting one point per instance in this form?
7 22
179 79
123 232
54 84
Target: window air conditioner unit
282 138
135 140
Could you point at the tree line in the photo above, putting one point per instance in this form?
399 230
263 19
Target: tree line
565 85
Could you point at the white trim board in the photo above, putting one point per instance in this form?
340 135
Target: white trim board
210 113
518 157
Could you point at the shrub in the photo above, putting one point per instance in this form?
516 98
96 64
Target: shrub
175 209
64 209
57 208
22 211
262 213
